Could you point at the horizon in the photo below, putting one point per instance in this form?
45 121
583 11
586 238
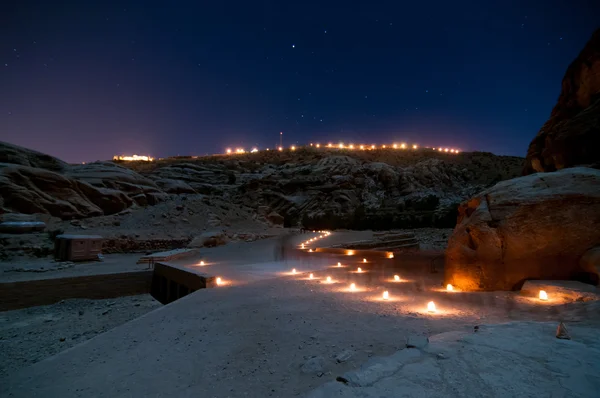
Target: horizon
98 80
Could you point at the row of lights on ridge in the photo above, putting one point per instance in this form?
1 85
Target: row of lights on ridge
350 146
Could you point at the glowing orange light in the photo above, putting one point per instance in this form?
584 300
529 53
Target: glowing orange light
302 245
397 278
543 295
134 158
280 149
228 150
294 271
362 147
318 145
254 150
440 149
395 146
403 145
386 295
391 255
201 262
364 260
383 146
329 145
359 269
431 306
415 146
372 146
341 145
339 264
350 252
351 146
310 276
328 279
446 150
219 281
352 286
293 148
449 287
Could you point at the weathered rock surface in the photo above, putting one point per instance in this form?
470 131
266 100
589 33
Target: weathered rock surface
518 359
13 154
37 183
324 189
571 136
533 227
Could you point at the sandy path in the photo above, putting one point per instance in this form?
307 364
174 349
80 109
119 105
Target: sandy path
252 340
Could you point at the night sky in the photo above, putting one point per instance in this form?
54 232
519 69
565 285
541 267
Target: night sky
85 82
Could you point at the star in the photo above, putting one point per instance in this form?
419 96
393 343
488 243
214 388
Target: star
293 46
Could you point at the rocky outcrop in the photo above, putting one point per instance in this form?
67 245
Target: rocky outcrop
571 136
13 154
35 183
322 189
532 227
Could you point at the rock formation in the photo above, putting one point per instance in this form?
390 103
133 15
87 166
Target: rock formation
533 227
321 188
571 136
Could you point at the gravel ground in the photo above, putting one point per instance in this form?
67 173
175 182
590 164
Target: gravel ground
32 334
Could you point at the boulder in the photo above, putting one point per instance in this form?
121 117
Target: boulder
275 218
572 134
209 239
590 263
533 227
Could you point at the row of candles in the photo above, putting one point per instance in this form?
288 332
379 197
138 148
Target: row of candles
385 295
543 296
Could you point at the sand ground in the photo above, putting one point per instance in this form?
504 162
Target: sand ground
277 336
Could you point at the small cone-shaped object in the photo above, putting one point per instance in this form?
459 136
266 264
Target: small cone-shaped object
562 333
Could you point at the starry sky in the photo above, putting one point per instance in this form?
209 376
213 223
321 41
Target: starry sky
85 80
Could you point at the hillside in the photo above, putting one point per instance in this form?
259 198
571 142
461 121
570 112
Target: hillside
321 188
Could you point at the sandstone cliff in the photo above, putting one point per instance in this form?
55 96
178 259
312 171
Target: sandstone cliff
571 136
